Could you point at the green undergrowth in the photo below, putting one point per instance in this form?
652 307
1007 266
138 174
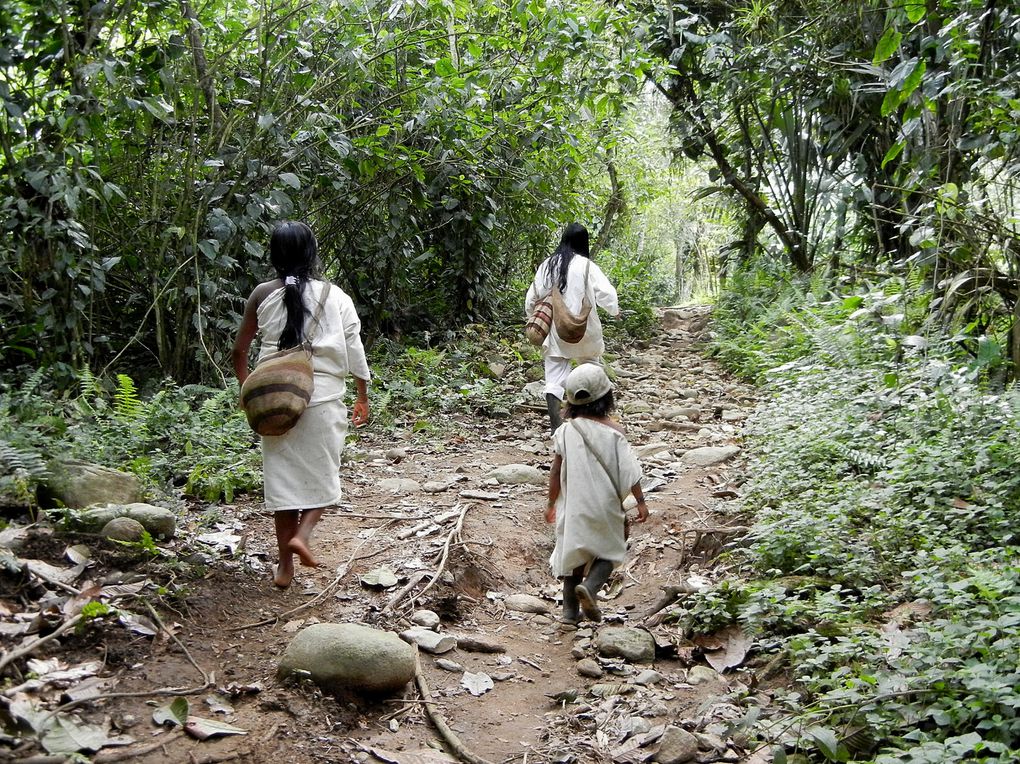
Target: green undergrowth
194 439
882 570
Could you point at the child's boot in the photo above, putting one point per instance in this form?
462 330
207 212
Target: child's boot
587 592
571 615
553 404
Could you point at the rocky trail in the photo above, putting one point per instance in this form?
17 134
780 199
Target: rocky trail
443 536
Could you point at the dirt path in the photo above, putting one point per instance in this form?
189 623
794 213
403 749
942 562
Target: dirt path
502 549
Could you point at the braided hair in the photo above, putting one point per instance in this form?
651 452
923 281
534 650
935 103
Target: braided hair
293 253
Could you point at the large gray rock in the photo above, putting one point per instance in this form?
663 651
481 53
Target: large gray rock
634 645
399 485
158 521
81 484
349 656
708 456
518 474
676 747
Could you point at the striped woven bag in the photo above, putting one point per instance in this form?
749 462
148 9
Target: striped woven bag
276 393
537 328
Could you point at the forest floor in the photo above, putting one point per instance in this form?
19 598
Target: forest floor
226 629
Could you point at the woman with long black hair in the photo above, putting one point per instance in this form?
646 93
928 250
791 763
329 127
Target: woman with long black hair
302 466
571 270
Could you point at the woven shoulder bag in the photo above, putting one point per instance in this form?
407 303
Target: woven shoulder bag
276 393
570 327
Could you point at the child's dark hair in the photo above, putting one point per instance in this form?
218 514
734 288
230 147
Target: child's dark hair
292 251
597 408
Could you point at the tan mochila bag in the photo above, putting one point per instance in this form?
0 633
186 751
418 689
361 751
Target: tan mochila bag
569 326
276 393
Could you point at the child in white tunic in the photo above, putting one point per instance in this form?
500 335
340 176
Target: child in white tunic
592 472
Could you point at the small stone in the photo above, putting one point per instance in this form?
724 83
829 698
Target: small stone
638 407
648 677
702 675
481 495
635 725
518 474
527 603
435 486
590 668
634 645
708 456
677 746
399 485
429 641
709 742
425 618
447 665
478 645
687 392
655 710
693 413
396 454
577 652
123 529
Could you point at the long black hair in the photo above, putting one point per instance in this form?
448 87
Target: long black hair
573 242
293 252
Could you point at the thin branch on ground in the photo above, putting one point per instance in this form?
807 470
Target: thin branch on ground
448 735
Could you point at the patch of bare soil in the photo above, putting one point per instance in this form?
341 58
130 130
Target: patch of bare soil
221 637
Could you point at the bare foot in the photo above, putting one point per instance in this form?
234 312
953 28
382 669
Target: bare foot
297 546
283 575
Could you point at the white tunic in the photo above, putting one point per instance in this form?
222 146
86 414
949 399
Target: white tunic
589 518
301 468
601 293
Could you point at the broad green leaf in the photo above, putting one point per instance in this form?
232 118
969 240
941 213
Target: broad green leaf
915 10
290 179
894 151
887 45
891 102
913 80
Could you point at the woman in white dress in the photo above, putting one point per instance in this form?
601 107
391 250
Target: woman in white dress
302 467
571 270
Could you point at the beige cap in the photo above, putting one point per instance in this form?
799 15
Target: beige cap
587 383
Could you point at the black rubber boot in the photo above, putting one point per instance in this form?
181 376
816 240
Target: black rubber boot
588 592
553 404
571 614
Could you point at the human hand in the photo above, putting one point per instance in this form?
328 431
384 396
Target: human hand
360 414
642 511
550 513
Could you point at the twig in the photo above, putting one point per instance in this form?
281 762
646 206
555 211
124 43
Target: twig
13 655
207 682
126 754
415 580
448 735
446 553
321 595
53 581
408 532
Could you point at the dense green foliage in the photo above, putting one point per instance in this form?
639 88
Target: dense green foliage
861 134
435 147
884 559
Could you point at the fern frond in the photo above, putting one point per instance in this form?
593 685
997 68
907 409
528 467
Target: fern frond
30 462
126 404
864 461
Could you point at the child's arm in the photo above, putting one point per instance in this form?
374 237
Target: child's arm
642 508
554 489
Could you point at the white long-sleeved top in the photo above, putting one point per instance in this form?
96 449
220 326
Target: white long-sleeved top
336 343
601 293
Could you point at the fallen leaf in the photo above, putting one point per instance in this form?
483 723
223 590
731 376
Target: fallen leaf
733 645
138 624
174 713
66 735
203 729
477 684
217 706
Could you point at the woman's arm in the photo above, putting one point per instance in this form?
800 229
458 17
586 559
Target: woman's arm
361 412
605 293
249 328
554 489
642 508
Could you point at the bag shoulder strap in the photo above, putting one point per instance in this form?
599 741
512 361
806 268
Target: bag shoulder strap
598 458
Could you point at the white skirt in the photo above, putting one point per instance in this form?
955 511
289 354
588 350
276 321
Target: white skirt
301 468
